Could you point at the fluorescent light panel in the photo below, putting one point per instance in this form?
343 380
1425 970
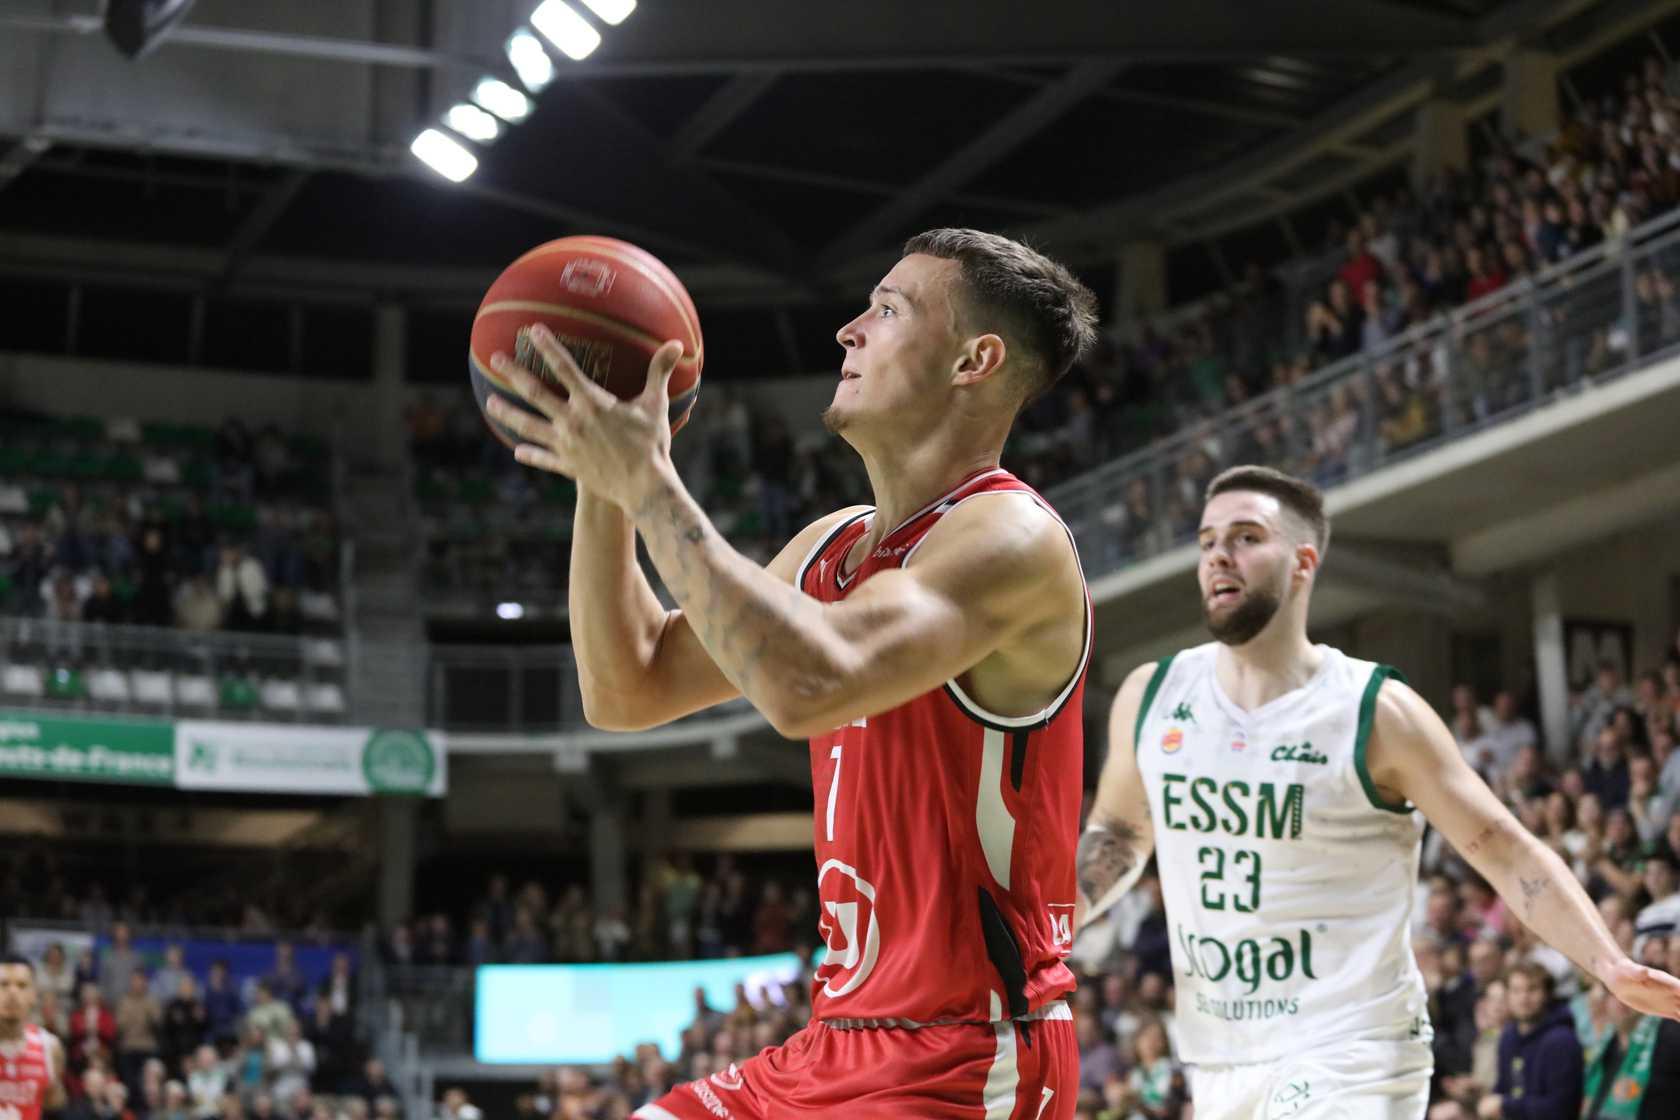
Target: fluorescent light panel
561 25
473 123
530 61
447 157
614 12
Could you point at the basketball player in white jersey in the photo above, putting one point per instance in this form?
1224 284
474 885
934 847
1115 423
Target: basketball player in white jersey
1284 787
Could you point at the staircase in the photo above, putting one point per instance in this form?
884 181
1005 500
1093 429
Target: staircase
387 669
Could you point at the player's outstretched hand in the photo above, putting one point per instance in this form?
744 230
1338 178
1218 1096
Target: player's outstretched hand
1650 990
611 447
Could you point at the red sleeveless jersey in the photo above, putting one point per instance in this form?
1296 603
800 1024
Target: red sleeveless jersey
26 1075
945 834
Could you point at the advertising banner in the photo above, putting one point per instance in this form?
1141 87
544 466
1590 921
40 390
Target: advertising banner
286 758
132 752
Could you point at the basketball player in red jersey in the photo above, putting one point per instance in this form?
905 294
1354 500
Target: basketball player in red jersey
31 1060
932 648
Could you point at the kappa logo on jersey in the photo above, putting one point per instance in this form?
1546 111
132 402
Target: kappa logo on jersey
1183 713
1172 740
848 926
1061 926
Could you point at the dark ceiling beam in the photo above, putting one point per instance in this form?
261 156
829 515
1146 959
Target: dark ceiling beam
324 47
257 223
775 174
735 230
1006 134
1247 114
734 35
23 154
719 111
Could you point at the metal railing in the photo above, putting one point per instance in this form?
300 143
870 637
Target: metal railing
1577 324
506 688
47 663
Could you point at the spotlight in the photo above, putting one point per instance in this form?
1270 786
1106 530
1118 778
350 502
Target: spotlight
447 157
502 100
567 30
530 60
473 123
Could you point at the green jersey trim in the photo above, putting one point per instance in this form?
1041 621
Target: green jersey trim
1161 668
1362 738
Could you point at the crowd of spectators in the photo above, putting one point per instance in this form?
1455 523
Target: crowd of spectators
106 529
157 1040
678 914
1407 258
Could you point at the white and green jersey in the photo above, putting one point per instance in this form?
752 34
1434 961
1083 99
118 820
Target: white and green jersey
1288 878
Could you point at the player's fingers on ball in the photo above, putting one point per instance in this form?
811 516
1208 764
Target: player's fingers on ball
565 368
528 385
664 363
517 420
541 458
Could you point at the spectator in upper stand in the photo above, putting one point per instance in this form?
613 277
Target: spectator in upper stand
186 1024
332 1034
269 1015
138 1019
1597 706
197 606
372 1083
222 1005
1483 276
102 605
1361 267
1606 773
437 941
679 895
54 974
1540 1061
340 985
153 605
116 964
242 586
166 981
480 947
525 945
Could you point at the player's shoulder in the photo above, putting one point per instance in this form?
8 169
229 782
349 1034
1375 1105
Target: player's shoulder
1010 532
804 544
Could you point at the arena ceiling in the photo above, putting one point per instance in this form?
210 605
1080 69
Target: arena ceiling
774 152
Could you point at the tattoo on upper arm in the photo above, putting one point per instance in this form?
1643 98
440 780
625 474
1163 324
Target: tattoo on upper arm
1106 853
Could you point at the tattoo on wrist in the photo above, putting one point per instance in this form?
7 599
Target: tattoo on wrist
1106 853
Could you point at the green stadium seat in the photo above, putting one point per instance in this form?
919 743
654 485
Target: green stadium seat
238 694
65 683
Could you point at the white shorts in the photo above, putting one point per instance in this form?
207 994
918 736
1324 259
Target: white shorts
1346 1081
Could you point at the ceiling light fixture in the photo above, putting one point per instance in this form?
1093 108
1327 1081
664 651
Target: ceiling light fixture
561 24
447 157
473 123
530 60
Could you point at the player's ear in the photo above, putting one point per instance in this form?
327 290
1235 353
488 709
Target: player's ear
981 357
1306 560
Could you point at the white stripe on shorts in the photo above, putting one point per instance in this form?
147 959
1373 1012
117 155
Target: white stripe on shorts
1004 1077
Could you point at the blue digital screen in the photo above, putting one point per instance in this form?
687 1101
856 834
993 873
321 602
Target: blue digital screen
562 1014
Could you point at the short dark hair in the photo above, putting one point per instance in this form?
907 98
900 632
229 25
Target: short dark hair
1296 495
1038 303
18 959
1536 973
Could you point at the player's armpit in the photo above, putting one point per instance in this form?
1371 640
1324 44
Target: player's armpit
1119 836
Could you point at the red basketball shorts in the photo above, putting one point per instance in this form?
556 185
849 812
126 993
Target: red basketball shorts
1016 1070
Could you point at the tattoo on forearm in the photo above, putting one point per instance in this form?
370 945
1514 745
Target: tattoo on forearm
746 628
1482 838
1106 853
1532 889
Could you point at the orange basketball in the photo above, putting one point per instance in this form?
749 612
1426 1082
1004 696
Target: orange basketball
611 303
